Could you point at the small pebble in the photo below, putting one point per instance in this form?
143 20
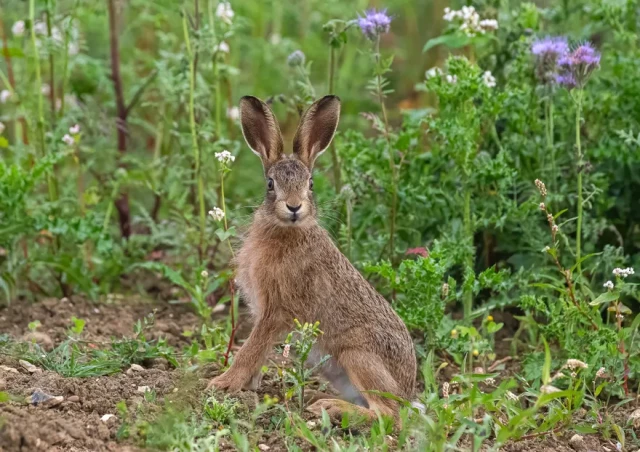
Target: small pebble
635 418
135 368
577 443
106 417
41 398
143 389
26 365
73 398
263 447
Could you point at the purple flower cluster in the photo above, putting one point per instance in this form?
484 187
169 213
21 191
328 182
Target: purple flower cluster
374 23
556 63
576 67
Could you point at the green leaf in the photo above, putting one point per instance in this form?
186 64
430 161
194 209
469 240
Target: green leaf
546 368
493 327
606 297
224 235
3 143
453 41
4 397
584 258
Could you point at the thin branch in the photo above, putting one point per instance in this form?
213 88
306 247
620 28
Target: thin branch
138 94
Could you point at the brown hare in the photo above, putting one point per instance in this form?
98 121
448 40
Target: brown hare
288 267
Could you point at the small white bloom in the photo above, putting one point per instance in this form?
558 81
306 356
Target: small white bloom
445 389
223 47
217 213
233 113
287 349
18 28
225 157
623 272
225 12
452 79
608 285
546 249
601 373
68 139
204 274
45 89
40 28
511 396
275 39
542 207
445 290
489 79
2 127
74 130
5 94
576 364
554 228
433 72
489 24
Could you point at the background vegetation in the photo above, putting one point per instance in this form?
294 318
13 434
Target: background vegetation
115 115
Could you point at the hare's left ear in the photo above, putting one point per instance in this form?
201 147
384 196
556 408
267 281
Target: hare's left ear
316 130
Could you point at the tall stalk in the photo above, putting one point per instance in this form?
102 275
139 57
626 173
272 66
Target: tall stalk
549 133
578 99
392 163
51 182
467 300
194 136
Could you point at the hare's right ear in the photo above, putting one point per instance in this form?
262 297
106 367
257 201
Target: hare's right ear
261 131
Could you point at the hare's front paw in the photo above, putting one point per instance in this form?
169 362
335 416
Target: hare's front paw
229 381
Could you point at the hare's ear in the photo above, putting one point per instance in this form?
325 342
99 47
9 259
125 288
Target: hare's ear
316 129
260 129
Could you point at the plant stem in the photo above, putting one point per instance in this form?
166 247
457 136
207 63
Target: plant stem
51 182
621 349
52 78
334 153
194 137
224 209
468 229
234 325
392 164
579 95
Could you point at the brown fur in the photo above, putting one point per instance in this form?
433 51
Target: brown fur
292 269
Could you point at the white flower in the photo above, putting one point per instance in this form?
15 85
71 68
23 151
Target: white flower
608 285
542 207
445 290
489 24
287 349
217 213
2 127
554 228
489 79
601 373
233 113
225 12
68 139
576 364
18 28
225 157
433 72
623 272
223 47
546 249
45 89
452 79
445 389
40 28
204 274
5 94
74 130
275 39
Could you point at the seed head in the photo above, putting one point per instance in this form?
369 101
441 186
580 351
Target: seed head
296 59
576 364
601 373
623 272
445 290
286 350
204 274
541 188
542 207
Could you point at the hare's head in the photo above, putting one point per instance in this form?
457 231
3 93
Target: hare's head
289 199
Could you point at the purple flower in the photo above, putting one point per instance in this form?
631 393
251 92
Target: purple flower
548 52
374 23
550 47
567 80
577 66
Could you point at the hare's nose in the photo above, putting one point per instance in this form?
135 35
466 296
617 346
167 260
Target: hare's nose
294 209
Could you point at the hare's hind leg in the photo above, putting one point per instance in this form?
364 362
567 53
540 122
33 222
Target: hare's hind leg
367 372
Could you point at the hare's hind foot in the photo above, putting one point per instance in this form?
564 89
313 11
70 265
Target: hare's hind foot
337 409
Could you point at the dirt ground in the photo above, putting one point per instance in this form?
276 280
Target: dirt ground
76 423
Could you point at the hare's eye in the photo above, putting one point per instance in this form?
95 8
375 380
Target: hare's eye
310 184
270 184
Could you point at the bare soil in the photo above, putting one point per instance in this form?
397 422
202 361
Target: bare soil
76 425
